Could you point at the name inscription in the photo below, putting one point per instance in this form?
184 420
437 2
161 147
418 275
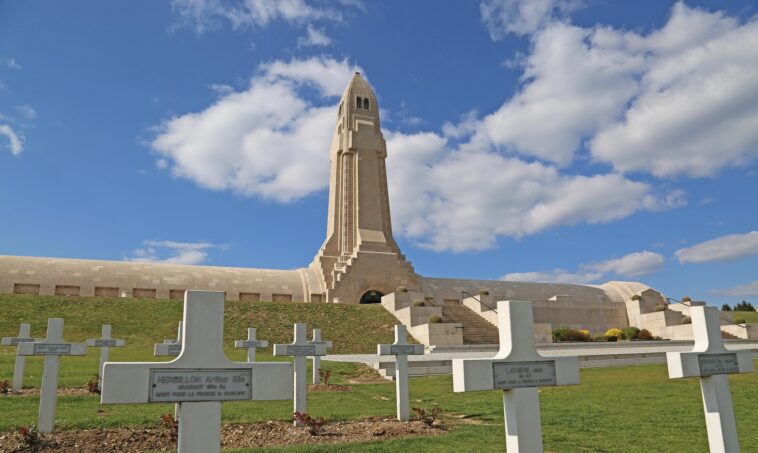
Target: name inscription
403 349
52 349
297 350
105 343
16 341
711 364
177 386
174 349
511 375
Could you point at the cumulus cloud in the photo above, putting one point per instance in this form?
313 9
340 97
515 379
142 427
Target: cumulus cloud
267 140
632 265
315 37
681 100
172 252
15 141
724 248
522 17
747 290
206 15
26 111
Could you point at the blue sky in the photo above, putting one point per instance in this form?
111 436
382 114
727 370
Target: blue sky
548 140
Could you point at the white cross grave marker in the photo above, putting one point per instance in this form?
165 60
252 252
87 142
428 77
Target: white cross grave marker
712 362
171 348
18 370
200 378
317 359
301 349
518 369
401 350
251 344
52 348
105 342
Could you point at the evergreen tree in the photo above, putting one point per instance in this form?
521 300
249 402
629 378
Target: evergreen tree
744 306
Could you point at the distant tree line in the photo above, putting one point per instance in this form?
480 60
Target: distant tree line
742 306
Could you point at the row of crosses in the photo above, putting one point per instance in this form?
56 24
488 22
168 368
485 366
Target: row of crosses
201 376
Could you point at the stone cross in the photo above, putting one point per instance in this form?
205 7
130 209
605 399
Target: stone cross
251 344
200 378
401 350
52 348
317 359
712 362
518 369
18 370
171 348
301 349
105 342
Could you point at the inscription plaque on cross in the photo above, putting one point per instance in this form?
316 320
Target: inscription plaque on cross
200 378
518 370
401 349
105 342
710 361
20 366
317 359
251 344
301 349
170 348
52 347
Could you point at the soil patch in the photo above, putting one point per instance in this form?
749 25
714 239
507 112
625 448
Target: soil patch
328 388
251 435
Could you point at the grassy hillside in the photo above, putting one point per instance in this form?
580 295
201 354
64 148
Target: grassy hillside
748 316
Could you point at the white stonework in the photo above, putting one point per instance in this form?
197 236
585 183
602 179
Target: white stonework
401 349
251 344
18 370
105 342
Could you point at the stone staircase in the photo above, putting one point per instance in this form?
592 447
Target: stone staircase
476 330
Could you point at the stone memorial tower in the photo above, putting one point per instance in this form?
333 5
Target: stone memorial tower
360 260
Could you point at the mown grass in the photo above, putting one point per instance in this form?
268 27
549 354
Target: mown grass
748 316
622 409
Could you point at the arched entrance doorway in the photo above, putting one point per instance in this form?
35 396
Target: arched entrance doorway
371 297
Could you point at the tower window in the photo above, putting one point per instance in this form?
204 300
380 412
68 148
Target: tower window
358 102
365 103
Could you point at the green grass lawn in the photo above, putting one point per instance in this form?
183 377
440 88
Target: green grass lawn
748 316
621 409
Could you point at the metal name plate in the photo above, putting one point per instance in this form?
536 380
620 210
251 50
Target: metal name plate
176 386
52 349
16 341
105 343
174 349
402 349
301 349
711 364
511 375
252 344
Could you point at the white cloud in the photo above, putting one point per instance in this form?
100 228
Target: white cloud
16 142
221 89
679 100
206 15
12 64
632 265
172 252
26 111
746 290
724 248
522 17
315 37
268 140
450 199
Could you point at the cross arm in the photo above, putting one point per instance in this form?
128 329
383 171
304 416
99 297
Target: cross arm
32 348
688 364
479 374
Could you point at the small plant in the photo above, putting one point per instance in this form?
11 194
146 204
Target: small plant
631 332
170 424
484 292
614 334
726 307
324 376
736 321
401 289
567 334
29 436
93 385
686 320
427 416
686 299
419 303
645 335
315 425
5 387
636 297
660 308
435 319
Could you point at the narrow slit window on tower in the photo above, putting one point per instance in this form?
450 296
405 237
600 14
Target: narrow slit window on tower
365 103
358 102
